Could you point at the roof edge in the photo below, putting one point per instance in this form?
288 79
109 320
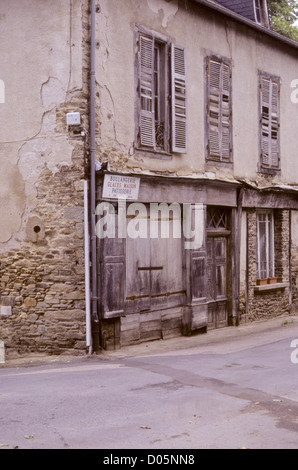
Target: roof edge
230 13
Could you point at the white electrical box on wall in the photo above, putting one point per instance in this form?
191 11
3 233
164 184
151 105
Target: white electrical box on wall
73 119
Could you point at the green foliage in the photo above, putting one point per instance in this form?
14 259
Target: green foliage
283 14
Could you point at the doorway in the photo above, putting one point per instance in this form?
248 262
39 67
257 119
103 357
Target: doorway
218 237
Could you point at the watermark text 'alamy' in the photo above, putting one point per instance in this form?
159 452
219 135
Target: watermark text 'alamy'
155 220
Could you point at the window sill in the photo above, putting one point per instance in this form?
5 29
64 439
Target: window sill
153 154
214 162
270 287
269 171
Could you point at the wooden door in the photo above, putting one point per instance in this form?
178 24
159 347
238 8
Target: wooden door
154 272
217 281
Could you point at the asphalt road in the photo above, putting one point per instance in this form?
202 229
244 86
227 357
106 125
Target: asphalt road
229 389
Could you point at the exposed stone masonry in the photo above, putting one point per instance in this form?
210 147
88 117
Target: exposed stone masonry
43 282
275 302
294 266
42 289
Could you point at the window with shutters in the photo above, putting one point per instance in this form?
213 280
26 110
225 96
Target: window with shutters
161 94
269 123
219 109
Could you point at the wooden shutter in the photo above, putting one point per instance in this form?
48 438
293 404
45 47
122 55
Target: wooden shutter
225 113
146 84
111 253
179 100
219 110
265 122
274 125
214 109
269 123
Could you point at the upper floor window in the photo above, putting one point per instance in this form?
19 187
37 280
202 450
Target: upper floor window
219 109
161 94
269 87
258 11
261 12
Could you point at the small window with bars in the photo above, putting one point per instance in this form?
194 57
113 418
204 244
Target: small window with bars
217 218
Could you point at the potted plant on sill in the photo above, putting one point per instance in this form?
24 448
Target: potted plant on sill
261 281
272 280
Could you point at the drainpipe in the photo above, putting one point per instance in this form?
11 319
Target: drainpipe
94 312
87 269
247 271
238 251
290 260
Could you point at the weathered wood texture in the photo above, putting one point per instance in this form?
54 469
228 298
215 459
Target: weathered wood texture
147 326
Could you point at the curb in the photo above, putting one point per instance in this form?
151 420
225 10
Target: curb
223 340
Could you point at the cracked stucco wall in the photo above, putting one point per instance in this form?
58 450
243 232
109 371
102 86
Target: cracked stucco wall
41 61
44 64
198 31
167 9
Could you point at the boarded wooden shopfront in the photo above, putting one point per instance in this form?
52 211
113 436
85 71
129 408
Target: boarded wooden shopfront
155 281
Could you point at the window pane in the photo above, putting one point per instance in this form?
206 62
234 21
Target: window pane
270 246
262 250
265 256
258 11
159 92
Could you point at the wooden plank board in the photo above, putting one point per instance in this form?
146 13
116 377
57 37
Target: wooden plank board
150 326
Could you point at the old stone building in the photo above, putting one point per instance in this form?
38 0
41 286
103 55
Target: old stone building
44 68
149 177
